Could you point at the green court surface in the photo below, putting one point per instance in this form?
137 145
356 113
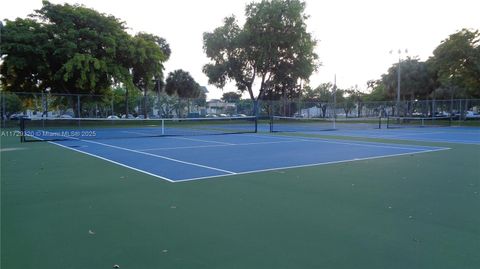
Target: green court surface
64 209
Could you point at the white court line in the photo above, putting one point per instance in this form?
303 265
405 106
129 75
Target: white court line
201 140
184 138
313 164
229 173
365 144
159 156
140 133
155 155
373 145
108 160
215 146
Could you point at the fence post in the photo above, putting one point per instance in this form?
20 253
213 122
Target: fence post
4 110
78 106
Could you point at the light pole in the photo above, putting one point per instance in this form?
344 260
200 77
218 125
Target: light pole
47 91
399 80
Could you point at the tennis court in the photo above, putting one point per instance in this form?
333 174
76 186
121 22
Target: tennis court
417 130
142 194
185 158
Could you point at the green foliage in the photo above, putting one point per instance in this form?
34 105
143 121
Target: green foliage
323 93
148 56
13 103
120 99
416 81
272 49
231 97
378 91
456 62
180 82
74 49
25 49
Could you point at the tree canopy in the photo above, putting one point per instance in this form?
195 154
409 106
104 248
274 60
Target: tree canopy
272 51
181 83
74 49
416 80
456 62
452 72
231 96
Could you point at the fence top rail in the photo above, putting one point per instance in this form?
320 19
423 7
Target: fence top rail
138 120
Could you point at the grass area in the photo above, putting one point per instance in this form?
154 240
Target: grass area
63 209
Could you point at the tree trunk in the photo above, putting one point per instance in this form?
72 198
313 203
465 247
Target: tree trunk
145 103
126 102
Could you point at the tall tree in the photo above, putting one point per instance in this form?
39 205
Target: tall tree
77 50
377 90
415 80
149 54
231 97
182 83
321 96
25 49
272 51
456 62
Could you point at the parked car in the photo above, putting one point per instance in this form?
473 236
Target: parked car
472 115
19 117
130 116
65 116
112 117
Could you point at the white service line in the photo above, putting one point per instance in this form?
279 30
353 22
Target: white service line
214 146
108 160
364 144
313 164
201 140
157 156
182 138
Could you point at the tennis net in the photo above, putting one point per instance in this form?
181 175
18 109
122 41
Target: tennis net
411 122
55 129
293 124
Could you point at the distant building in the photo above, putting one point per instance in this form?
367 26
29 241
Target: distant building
216 106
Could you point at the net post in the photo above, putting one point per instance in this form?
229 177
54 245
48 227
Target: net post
256 124
22 130
380 122
271 123
163 126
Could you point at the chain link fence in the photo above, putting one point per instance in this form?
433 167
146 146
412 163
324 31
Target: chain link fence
458 109
159 105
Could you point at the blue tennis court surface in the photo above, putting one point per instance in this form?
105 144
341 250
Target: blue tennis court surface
461 135
187 158
453 134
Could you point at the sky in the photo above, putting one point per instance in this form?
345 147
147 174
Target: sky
354 37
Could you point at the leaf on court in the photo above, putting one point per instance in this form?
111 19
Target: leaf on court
173 207
91 232
165 250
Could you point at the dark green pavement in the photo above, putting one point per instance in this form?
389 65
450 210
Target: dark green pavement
63 209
